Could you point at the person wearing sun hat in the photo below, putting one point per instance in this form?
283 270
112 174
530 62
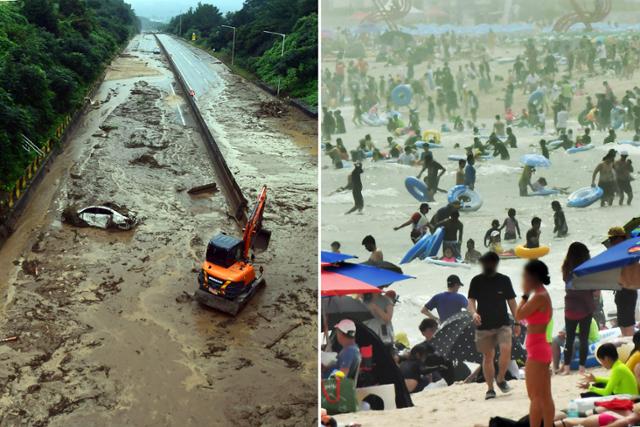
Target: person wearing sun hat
349 358
624 169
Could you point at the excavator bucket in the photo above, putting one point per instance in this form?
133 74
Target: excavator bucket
261 240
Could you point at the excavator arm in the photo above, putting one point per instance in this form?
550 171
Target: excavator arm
253 231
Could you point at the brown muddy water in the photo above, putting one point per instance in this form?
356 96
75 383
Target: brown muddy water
108 333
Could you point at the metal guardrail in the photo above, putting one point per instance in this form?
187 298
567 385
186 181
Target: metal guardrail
236 200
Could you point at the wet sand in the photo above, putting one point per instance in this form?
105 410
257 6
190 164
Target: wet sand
108 333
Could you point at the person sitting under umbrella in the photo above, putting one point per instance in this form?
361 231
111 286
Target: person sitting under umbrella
428 328
348 360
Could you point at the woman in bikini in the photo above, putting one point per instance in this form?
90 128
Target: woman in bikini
535 309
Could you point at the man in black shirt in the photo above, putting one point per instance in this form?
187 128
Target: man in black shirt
489 294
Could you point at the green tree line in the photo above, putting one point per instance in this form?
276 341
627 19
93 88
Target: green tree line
258 52
51 51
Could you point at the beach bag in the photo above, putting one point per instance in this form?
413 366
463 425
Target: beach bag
339 395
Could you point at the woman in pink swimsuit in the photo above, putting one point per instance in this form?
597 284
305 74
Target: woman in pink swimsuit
535 310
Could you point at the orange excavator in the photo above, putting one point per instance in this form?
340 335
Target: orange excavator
228 279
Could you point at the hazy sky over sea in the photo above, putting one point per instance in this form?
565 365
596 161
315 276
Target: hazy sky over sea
163 10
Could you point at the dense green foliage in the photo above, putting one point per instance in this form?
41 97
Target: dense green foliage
258 52
51 51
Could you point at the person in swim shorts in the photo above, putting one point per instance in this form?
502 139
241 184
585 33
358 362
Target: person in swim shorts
525 180
533 235
419 223
489 295
511 226
495 226
607 178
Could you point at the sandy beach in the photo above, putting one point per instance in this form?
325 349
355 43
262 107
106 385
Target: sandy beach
464 405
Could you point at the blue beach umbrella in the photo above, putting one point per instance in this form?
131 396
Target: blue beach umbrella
535 160
603 271
327 257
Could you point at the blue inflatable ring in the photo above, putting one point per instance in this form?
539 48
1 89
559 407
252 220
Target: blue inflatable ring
629 142
579 149
401 95
469 200
544 192
535 160
555 143
416 188
420 144
456 157
584 197
417 249
536 97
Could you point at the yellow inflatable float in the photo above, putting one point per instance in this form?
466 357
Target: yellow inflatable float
429 134
531 253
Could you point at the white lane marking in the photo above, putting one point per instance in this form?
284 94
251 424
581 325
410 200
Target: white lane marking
181 116
179 109
185 77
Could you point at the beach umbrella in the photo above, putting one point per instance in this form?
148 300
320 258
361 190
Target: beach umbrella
334 284
367 274
327 257
334 309
535 160
342 278
602 272
633 227
455 340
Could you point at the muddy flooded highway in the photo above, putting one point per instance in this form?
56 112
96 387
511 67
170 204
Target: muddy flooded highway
107 329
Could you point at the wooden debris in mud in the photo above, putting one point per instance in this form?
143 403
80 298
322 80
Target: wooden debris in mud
271 109
206 188
282 335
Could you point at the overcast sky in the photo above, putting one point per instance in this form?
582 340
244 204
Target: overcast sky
165 9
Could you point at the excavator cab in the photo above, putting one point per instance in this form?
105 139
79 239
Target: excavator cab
224 250
228 278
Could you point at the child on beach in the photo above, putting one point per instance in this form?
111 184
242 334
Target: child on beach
511 226
448 255
560 227
495 245
472 256
495 226
460 172
533 235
